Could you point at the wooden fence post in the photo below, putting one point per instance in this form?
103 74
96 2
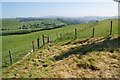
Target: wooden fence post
38 42
10 54
111 28
43 39
33 46
75 33
93 31
60 36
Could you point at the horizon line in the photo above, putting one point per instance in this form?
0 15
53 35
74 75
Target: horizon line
59 16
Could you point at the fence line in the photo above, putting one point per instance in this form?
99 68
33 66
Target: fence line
41 42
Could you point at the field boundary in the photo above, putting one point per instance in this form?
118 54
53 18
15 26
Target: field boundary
46 39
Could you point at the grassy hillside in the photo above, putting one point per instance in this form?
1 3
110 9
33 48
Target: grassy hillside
81 58
13 24
20 45
13 27
10 23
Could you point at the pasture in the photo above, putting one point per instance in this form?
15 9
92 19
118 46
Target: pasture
20 45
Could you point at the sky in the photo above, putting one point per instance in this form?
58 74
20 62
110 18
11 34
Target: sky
66 9
57 0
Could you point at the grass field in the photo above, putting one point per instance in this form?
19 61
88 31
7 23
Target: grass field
20 45
13 24
10 24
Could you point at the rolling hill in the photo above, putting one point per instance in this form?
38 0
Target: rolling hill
15 24
20 45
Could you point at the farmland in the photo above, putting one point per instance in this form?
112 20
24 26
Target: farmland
20 45
58 53
59 39
14 24
18 27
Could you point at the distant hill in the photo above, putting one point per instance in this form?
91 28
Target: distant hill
68 20
30 23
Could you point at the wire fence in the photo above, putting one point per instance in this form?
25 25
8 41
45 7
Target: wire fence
73 33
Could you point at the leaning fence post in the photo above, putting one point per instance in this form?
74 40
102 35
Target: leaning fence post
38 42
111 28
43 40
33 46
10 54
75 33
60 36
93 30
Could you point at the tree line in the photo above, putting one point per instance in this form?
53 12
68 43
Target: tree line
42 25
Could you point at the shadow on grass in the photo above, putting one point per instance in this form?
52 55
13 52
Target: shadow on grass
4 67
103 44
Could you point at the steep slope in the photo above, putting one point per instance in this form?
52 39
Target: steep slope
84 58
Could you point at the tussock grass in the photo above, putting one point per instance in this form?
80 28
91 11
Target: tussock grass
71 62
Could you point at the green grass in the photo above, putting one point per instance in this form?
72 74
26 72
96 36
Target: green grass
10 23
20 45
24 31
102 28
13 24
